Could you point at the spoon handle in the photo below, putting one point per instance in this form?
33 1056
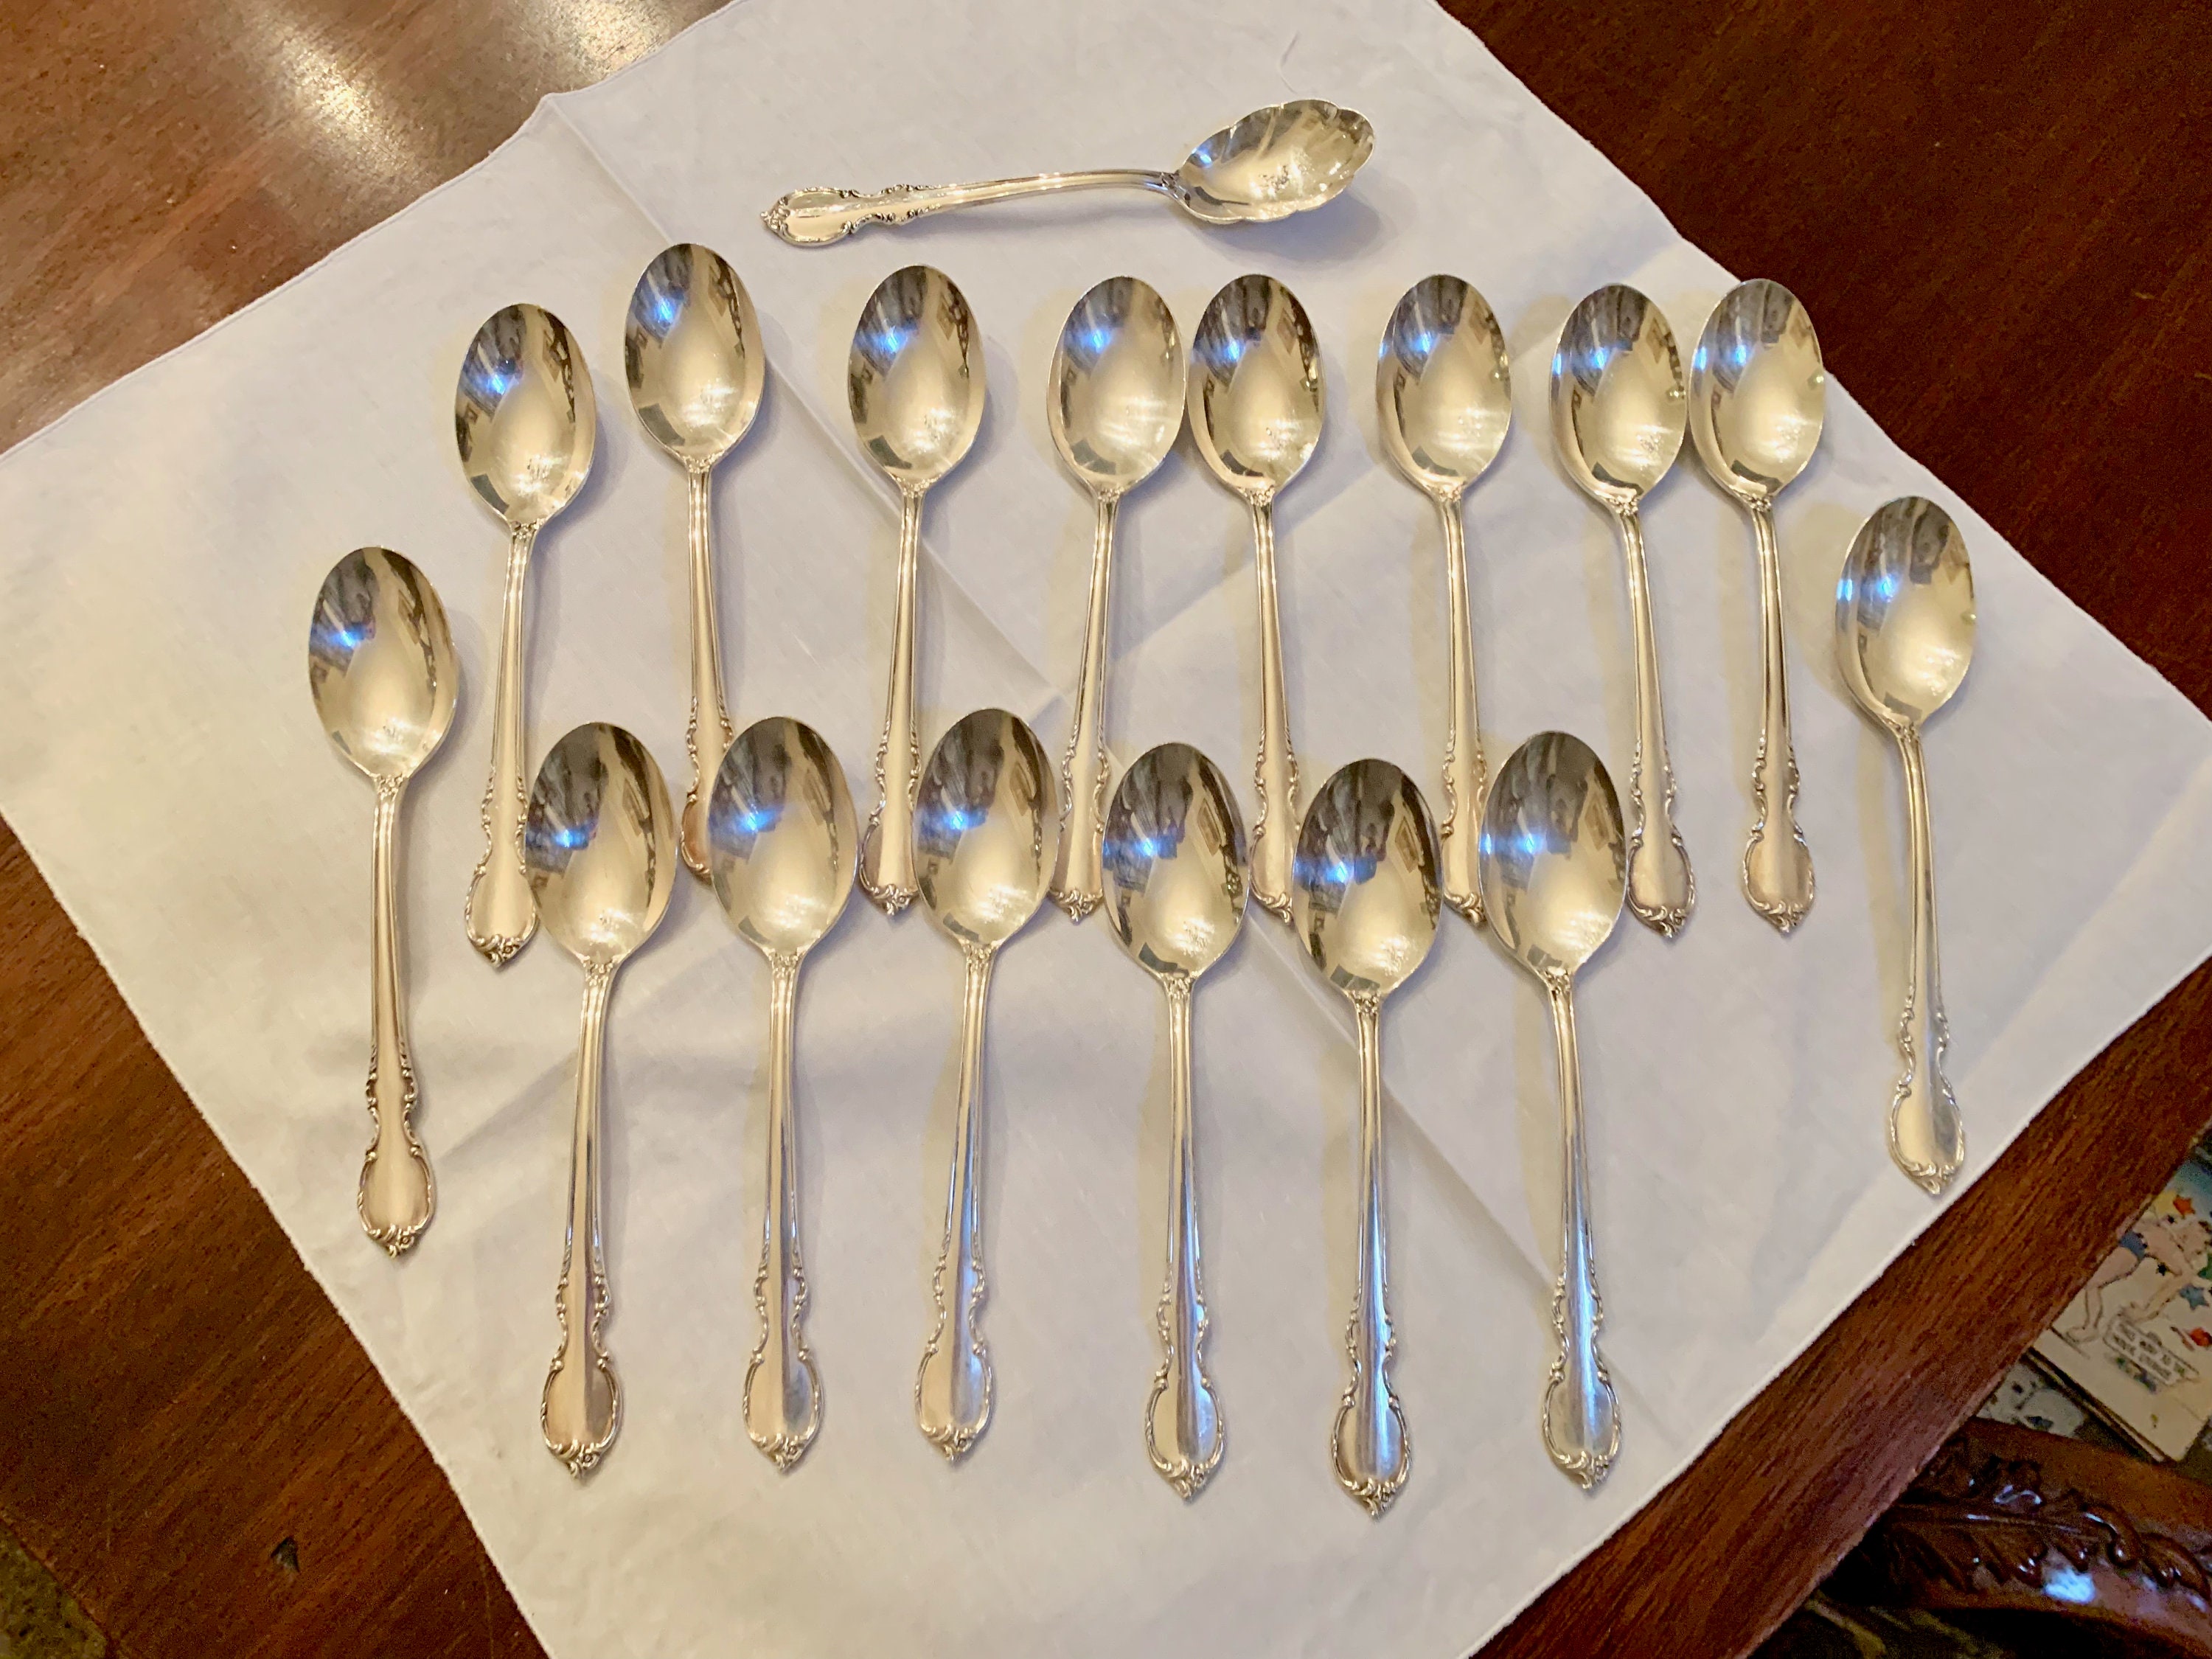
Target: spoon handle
1464 782
1660 888
825 214
887 848
581 1407
1926 1136
708 708
1581 1417
783 1390
501 915
396 1195
1079 883
1274 836
952 1389
1778 865
1370 1445
1184 1426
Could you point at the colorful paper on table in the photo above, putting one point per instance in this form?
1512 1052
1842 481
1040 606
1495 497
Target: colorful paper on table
159 758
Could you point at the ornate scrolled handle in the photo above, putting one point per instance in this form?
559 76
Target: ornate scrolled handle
1370 1445
887 844
1582 1415
952 1389
581 1409
1079 883
501 915
825 214
1927 1137
1183 1428
1662 889
1275 770
710 733
396 1195
783 1389
1778 865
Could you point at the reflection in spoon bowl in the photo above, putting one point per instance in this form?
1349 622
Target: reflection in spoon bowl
600 840
1175 881
1554 872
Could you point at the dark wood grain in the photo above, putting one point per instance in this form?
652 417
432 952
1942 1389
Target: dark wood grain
1997 211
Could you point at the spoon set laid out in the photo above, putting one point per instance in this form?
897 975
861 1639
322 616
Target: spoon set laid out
1540 853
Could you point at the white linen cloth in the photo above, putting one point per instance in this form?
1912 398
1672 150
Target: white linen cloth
160 757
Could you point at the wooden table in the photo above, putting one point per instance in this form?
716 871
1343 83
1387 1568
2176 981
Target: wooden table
2000 212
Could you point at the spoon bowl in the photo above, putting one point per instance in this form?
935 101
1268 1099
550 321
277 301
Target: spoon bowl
1554 859
1115 392
783 836
380 664
524 415
912 377
985 828
1618 403
1256 390
691 354
1366 888
1905 613
1275 162
1176 878
599 843
1443 386
1758 391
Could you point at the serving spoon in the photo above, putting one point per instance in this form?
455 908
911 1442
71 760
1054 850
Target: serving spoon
1175 881
914 382
693 356
1905 636
1553 873
1276 161
1367 907
1255 401
984 830
781 829
1114 401
380 666
1758 396
600 842
526 422
1444 390
1618 409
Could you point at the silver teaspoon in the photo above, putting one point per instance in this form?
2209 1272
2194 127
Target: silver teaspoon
783 847
984 830
1367 907
1445 393
1904 635
693 356
526 422
1758 396
1554 872
915 383
600 842
1114 401
1618 408
1255 413
1276 161
380 666
1175 881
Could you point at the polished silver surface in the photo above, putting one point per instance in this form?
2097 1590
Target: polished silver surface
1554 870
1367 899
915 382
985 833
694 359
1114 401
1618 408
380 666
1256 400
599 842
526 422
1175 885
1904 635
1275 161
783 846
1443 390
1758 397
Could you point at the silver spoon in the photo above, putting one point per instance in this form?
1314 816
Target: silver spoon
1175 881
600 841
1275 162
1445 393
693 356
1904 634
1367 907
984 830
1114 401
526 422
915 383
380 666
1554 872
1757 395
1255 413
783 845
1618 407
